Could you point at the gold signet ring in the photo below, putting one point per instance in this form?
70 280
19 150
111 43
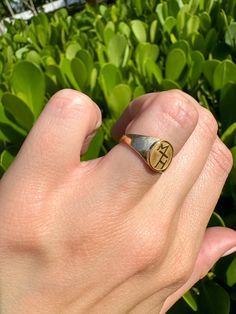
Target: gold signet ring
155 152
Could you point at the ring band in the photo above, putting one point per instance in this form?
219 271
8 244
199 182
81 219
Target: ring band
155 152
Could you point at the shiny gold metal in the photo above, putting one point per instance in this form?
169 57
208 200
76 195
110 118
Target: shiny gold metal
155 152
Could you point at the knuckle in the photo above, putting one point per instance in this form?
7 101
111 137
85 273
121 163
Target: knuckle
23 220
67 103
182 268
180 109
180 262
146 246
208 124
221 157
182 275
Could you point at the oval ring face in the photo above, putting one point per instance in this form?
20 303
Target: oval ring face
160 156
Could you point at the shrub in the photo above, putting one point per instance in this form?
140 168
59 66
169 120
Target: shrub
114 54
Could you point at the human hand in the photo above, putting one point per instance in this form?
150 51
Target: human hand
109 235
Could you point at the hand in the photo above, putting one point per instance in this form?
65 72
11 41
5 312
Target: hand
109 235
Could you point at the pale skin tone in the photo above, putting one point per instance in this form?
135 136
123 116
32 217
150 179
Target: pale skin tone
109 236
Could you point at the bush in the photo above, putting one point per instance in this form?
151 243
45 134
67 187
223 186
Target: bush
114 54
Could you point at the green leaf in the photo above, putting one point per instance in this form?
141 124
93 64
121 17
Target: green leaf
116 49
193 6
80 72
162 12
6 159
21 52
86 58
231 273
169 84
208 5
72 50
196 66
138 28
181 21
175 64
124 29
209 67
42 35
183 45
174 7
101 52
138 6
193 24
153 31
20 39
51 86
9 130
225 72
211 40
225 270
109 32
99 26
119 99
203 101
209 290
169 24
180 307
216 221
222 20
18 110
229 136
152 71
205 21
110 76
55 72
230 35
66 70
138 91
227 105
145 51
34 57
28 83
190 300
93 78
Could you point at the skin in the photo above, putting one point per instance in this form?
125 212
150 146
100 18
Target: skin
109 235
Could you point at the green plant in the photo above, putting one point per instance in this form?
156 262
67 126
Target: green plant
114 54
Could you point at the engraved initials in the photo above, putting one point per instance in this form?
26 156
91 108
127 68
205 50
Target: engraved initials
162 149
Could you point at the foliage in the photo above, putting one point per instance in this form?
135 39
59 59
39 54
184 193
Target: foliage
114 54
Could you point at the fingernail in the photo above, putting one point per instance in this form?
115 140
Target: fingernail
231 251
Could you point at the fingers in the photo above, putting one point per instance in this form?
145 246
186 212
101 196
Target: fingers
201 200
165 115
217 242
60 135
177 181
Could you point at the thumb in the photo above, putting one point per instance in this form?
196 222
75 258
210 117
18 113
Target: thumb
217 242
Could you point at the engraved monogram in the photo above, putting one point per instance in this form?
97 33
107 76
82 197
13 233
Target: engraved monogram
157 153
160 155
162 150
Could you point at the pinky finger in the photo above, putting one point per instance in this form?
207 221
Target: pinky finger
217 242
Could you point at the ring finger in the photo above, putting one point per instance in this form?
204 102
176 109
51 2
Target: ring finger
167 115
